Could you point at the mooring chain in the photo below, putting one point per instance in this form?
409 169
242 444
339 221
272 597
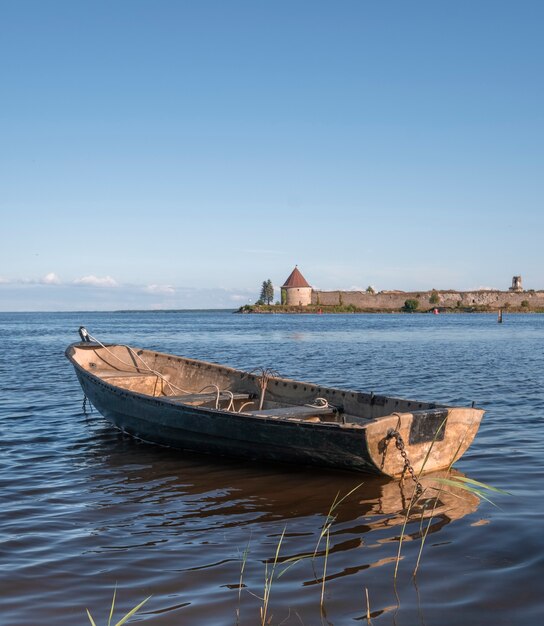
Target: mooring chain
399 443
85 402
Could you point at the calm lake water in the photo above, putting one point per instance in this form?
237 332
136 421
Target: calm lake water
85 508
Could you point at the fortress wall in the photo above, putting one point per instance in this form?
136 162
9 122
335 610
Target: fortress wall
394 300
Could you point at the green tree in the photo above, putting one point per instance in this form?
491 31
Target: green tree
267 291
410 306
435 298
370 289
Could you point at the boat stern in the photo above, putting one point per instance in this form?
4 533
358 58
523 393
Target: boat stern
431 439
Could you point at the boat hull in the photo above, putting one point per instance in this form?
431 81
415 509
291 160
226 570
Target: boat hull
138 392
226 434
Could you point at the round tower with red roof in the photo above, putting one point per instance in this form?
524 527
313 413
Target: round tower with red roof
296 289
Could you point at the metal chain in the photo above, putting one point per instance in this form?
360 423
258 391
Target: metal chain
85 402
399 444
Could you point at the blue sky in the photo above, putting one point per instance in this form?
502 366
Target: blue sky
170 154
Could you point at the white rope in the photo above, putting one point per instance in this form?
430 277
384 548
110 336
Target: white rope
265 375
230 407
321 403
218 392
156 373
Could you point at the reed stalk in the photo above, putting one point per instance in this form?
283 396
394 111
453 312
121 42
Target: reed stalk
325 569
329 520
413 500
240 584
368 620
468 484
124 619
426 532
269 579
461 482
331 515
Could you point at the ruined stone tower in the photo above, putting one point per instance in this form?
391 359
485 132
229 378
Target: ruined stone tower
516 284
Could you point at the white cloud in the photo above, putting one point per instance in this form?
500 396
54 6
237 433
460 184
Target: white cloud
238 298
88 294
96 281
3 281
165 289
50 279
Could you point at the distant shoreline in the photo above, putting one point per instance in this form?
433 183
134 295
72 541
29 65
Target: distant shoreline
433 300
350 309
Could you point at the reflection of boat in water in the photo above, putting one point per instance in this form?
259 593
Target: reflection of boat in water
443 502
239 493
186 521
200 406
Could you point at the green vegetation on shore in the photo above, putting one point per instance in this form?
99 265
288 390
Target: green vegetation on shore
310 308
410 306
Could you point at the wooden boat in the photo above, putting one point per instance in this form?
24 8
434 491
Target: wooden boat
195 405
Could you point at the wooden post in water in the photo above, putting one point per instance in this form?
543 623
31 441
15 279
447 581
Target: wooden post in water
499 317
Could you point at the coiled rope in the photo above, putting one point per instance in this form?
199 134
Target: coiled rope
158 374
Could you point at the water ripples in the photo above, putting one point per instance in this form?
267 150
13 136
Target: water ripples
85 508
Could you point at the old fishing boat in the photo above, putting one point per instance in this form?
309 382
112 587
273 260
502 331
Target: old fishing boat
194 405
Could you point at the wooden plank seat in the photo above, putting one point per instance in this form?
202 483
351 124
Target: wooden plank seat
296 411
203 398
140 382
120 374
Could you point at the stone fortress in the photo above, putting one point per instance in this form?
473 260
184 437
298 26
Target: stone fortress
296 291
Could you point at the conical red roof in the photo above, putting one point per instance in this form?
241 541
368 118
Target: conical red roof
296 279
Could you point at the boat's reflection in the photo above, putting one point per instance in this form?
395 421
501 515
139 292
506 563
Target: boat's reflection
379 512
233 492
443 503
201 514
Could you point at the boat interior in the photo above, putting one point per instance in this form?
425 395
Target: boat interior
259 393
